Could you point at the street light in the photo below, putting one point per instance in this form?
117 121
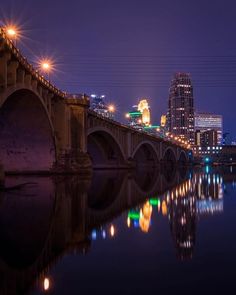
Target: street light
111 108
12 33
46 66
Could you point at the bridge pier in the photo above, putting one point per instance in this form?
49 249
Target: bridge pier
71 128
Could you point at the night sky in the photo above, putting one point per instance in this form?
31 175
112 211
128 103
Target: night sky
128 49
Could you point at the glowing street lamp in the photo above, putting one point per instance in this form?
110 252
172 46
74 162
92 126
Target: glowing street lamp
12 33
111 108
46 67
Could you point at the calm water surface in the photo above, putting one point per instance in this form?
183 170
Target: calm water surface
155 232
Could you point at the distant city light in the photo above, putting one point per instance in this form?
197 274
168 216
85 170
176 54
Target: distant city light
164 208
155 202
134 215
128 222
207 160
46 284
94 235
112 230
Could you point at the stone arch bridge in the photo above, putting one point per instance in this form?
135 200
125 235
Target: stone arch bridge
43 129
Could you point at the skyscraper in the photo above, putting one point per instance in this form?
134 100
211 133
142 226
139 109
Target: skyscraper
99 106
144 108
180 116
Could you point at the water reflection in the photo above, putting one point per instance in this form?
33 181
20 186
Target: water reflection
52 217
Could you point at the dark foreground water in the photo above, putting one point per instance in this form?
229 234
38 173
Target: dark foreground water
152 232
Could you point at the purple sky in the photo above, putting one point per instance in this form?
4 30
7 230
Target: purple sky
128 49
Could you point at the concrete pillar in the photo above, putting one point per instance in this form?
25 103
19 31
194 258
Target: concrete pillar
4 58
49 103
69 119
128 144
20 76
40 91
28 79
34 84
12 73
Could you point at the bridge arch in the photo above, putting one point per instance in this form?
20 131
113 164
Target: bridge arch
27 140
104 149
146 154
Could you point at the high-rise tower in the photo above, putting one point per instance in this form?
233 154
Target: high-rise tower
180 116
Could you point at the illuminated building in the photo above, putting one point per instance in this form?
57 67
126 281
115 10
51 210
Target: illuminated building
206 122
135 119
163 121
152 129
180 116
140 118
144 108
206 138
99 106
163 126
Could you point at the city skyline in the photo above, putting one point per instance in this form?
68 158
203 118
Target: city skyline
105 60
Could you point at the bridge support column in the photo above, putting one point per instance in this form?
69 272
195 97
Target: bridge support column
3 70
20 76
73 155
12 73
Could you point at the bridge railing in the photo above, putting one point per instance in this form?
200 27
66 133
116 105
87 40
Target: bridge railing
29 67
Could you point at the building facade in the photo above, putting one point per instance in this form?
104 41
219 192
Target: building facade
206 122
206 138
98 105
180 116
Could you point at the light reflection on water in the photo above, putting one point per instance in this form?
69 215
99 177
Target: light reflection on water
56 229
